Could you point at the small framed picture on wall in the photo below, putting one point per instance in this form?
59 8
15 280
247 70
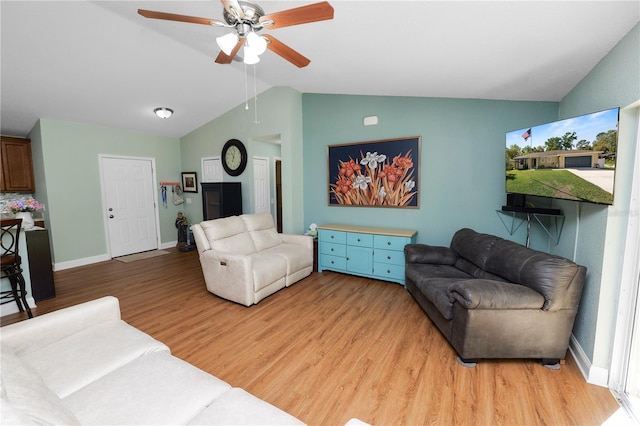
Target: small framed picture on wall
189 182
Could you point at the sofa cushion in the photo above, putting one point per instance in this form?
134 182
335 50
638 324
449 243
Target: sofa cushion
77 360
238 407
419 272
547 274
25 398
436 290
155 389
471 269
473 246
228 235
267 269
261 230
423 253
490 294
297 257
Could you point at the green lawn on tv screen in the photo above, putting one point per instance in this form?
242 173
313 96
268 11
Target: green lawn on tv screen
557 184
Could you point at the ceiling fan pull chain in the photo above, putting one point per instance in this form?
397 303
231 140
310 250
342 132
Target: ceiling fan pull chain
255 96
246 89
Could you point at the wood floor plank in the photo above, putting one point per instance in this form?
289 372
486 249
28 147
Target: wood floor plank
330 348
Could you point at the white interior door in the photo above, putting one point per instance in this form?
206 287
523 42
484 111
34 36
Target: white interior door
130 205
261 189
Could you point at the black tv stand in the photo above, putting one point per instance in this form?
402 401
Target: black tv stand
552 215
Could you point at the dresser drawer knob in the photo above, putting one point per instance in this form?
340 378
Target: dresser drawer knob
388 243
388 257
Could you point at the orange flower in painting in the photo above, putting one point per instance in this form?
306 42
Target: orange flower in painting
403 162
390 172
343 185
349 169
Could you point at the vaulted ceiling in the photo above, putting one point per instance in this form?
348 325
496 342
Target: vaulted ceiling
99 62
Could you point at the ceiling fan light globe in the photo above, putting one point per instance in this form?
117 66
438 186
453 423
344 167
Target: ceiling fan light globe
250 56
257 43
227 42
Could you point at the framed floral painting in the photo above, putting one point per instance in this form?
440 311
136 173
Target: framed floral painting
381 173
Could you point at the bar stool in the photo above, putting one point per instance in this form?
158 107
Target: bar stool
10 233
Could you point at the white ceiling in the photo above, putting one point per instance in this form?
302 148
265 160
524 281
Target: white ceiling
99 62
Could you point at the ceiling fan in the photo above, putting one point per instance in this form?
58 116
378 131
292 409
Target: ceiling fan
247 19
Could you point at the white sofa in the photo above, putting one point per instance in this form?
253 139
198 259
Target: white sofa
84 365
244 259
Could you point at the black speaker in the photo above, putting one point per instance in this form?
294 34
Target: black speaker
516 200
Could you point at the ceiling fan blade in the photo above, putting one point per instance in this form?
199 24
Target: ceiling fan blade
223 58
233 7
180 18
286 52
299 15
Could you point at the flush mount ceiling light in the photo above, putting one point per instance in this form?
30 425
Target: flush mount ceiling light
163 112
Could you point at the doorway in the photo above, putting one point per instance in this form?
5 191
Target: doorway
261 186
130 204
278 183
269 149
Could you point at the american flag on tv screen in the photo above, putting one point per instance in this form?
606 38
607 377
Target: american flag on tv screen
526 135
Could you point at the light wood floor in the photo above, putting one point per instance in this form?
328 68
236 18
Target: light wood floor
330 348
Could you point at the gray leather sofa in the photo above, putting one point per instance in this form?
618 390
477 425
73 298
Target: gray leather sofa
494 298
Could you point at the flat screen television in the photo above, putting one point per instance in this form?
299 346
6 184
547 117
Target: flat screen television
571 159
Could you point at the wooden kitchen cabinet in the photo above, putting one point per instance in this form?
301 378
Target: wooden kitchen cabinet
17 165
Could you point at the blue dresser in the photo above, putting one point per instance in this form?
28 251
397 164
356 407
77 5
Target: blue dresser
363 250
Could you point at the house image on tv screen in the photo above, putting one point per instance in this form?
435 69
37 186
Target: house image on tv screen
571 159
559 159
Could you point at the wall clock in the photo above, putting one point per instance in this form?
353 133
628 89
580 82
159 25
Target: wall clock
234 157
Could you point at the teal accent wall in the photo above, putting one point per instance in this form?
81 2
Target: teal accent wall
462 165
67 168
279 113
595 235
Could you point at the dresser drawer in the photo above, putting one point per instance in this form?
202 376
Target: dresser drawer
333 262
333 249
388 271
388 256
328 236
389 243
360 240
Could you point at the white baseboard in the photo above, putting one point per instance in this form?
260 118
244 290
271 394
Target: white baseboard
12 308
592 374
95 259
170 244
59 266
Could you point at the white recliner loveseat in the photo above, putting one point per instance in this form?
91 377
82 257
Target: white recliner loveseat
244 259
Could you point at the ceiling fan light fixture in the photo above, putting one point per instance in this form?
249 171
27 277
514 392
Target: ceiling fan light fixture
257 43
227 42
250 55
163 112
